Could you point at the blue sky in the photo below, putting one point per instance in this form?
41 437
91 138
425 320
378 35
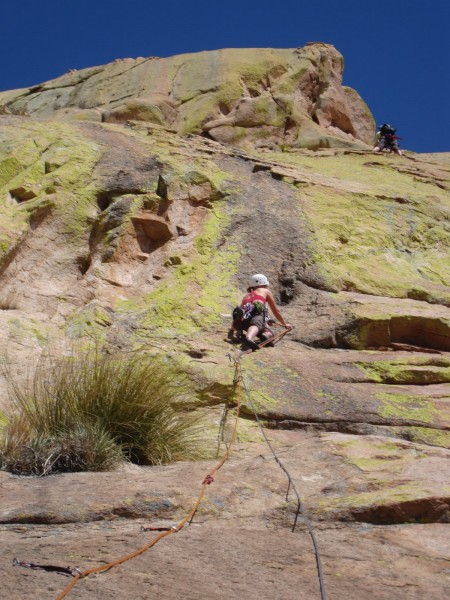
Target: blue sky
396 52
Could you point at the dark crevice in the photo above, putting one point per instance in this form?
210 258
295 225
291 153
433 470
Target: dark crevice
422 510
207 135
196 353
411 330
41 87
163 207
151 236
203 203
261 167
395 382
11 256
84 262
22 194
254 93
369 427
289 124
114 100
277 176
161 188
224 109
104 199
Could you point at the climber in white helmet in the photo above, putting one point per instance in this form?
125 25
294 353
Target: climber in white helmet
252 315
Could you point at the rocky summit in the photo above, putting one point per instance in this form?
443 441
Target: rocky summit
251 97
136 200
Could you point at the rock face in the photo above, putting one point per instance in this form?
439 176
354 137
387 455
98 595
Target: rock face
141 237
243 525
262 97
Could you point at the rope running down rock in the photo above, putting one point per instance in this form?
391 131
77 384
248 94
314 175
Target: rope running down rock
239 382
291 484
187 519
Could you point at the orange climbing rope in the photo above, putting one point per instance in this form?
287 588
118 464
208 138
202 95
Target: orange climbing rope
239 382
188 518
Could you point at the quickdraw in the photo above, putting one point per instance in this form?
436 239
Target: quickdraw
72 571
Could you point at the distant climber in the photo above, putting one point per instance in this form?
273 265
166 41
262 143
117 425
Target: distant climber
251 318
386 139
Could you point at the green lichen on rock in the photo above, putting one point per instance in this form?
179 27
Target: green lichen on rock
73 180
262 382
365 245
193 296
186 92
91 321
374 228
416 371
248 432
54 170
25 330
431 437
407 408
404 406
392 474
199 110
114 223
372 457
387 495
9 168
3 420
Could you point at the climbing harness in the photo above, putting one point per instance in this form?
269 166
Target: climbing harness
266 342
252 305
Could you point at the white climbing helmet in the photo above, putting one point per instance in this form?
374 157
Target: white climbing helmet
257 280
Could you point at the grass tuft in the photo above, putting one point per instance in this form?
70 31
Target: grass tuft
90 411
8 301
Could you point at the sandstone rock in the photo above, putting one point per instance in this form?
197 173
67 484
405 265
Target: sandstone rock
392 473
156 109
87 519
200 193
249 90
156 229
357 253
416 323
361 118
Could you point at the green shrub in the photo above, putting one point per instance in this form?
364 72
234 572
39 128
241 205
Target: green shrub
90 410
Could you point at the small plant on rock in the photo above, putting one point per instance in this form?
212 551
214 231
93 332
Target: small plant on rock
91 410
8 301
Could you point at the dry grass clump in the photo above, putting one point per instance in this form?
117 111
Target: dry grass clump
91 410
8 301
